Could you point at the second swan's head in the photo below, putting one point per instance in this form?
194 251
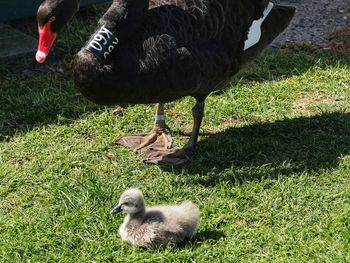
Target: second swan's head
52 16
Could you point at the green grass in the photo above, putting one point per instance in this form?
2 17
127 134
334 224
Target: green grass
271 175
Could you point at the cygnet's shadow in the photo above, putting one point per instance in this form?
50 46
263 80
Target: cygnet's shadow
197 240
207 234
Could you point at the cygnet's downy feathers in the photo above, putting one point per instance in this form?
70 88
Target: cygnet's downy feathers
157 225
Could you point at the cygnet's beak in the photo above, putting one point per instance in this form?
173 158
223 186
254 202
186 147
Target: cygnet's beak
116 210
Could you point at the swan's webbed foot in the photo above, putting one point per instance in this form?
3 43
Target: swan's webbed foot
177 157
168 157
157 139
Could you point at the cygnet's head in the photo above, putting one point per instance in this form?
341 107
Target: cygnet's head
131 201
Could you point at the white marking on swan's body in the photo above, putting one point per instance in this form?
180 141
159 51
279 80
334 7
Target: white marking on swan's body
254 33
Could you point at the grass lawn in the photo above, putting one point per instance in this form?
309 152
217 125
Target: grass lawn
271 175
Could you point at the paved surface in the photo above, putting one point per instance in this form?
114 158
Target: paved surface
14 42
315 20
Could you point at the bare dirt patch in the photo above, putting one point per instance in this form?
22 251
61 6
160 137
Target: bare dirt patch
309 103
340 40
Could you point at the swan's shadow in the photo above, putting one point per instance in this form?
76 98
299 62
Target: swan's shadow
270 150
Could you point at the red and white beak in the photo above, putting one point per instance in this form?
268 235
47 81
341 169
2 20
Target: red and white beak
46 40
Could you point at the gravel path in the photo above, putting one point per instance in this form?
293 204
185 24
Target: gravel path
315 20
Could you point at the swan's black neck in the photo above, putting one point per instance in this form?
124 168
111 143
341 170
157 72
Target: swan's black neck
124 17
117 24
102 43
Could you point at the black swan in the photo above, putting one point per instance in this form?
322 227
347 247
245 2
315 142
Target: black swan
157 51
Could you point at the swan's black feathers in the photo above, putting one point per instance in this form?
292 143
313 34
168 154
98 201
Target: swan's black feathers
179 48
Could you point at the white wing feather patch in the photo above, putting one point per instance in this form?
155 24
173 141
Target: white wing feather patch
255 29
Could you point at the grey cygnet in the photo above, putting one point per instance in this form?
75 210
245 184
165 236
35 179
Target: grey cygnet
154 226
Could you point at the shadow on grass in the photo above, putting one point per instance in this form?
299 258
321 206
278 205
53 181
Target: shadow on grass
196 241
26 103
269 150
199 238
204 235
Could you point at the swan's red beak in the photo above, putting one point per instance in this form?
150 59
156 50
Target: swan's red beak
46 40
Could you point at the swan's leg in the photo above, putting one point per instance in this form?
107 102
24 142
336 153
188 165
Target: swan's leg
198 114
175 157
157 139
